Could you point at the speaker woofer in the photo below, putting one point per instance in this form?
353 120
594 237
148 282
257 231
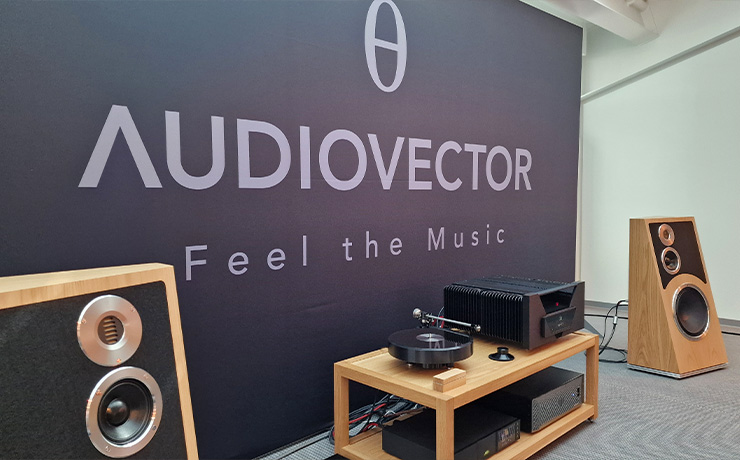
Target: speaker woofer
691 311
123 412
109 330
671 261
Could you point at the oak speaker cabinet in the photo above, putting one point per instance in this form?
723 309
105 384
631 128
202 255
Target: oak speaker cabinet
92 365
673 328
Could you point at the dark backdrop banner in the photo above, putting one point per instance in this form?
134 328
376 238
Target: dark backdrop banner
314 170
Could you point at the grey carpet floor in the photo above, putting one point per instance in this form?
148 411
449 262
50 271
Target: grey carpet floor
647 416
641 415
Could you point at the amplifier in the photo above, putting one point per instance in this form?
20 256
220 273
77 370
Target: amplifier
479 433
526 312
539 399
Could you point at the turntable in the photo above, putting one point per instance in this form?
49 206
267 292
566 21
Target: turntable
430 346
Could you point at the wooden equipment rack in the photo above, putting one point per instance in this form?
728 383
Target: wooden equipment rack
380 370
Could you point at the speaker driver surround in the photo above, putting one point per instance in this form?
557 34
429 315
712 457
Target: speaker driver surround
123 412
109 330
691 311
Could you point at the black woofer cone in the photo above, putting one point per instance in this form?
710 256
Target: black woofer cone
125 411
691 311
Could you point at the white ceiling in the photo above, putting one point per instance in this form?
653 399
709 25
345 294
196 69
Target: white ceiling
629 19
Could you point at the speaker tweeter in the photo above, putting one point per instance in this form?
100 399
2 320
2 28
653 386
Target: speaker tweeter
109 330
666 234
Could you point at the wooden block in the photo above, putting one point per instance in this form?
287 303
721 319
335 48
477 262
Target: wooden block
449 379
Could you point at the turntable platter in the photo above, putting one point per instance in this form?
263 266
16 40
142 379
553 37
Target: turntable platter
430 346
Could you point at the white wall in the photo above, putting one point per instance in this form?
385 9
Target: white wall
681 24
664 143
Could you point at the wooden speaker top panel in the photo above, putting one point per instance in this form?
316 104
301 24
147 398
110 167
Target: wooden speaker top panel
27 289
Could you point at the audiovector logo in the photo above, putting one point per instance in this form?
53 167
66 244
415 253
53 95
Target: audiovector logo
372 42
448 164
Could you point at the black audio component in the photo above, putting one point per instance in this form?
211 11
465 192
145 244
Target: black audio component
479 433
539 399
526 312
431 347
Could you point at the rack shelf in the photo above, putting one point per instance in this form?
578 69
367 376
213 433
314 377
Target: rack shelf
380 370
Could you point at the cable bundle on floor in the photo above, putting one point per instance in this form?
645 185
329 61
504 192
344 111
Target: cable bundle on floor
378 414
604 344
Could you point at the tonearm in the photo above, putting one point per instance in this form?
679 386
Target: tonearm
427 318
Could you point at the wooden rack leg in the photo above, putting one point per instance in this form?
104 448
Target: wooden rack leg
592 376
445 430
341 411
